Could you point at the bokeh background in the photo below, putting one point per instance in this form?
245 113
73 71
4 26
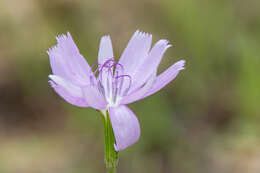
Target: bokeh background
205 121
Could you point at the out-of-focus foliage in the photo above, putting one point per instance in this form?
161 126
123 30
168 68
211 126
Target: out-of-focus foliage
207 120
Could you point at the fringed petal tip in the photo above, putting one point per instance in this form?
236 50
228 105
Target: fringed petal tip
141 34
166 77
63 37
106 37
52 84
180 64
164 43
51 50
154 84
60 39
67 62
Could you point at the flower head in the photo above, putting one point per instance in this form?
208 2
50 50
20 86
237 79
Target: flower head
110 85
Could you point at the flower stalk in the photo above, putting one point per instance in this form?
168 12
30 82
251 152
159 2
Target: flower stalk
111 155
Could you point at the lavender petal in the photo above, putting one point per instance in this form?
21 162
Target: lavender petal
125 125
74 100
67 62
140 92
150 64
166 77
69 87
105 50
94 98
135 52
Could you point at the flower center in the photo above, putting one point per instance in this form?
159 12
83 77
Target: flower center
111 81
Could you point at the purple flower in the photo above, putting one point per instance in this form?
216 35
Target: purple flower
110 85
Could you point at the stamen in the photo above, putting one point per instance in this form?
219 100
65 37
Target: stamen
123 85
106 64
121 81
92 67
101 88
111 82
109 68
119 69
93 74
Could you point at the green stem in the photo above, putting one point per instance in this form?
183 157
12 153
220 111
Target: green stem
111 155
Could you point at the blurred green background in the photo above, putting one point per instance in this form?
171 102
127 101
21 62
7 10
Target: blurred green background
205 121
